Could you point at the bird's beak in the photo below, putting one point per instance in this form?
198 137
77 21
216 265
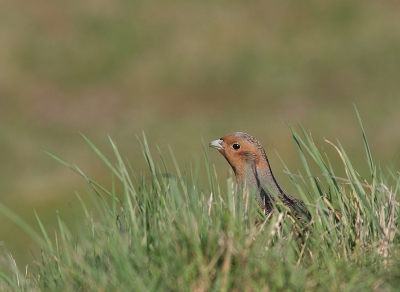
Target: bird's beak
216 144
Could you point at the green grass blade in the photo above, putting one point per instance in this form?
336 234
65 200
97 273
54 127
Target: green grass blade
366 145
23 225
49 244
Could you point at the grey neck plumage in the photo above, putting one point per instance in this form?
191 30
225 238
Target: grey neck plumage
263 183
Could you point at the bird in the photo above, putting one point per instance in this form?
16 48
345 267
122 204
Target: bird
249 162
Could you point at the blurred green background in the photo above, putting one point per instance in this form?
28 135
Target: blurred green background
179 70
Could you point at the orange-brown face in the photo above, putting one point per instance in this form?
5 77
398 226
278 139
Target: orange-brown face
240 150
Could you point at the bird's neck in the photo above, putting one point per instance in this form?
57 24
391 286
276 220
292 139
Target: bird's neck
259 178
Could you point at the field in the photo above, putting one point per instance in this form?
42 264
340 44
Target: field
170 232
184 72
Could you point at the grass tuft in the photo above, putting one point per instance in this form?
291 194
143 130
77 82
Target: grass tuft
165 232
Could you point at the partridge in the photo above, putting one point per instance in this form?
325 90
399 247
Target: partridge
250 164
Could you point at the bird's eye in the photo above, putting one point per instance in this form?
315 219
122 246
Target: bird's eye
236 146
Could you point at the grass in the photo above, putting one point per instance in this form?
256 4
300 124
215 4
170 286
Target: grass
167 231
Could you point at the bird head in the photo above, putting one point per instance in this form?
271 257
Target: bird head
242 151
248 160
